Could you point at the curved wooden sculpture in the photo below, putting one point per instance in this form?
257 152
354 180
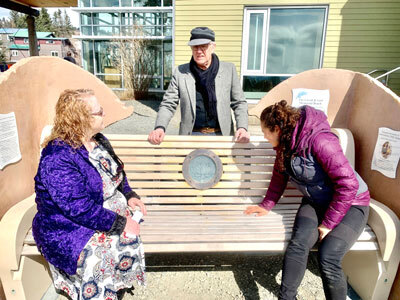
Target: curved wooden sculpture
30 89
362 104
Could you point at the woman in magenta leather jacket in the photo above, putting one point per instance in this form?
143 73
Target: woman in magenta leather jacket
335 206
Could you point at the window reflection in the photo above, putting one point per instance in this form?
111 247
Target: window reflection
295 40
99 53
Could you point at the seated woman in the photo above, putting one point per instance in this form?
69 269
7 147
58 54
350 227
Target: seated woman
335 206
84 226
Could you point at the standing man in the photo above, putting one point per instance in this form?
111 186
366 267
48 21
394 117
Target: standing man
207 90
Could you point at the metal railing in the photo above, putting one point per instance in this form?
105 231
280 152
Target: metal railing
385 74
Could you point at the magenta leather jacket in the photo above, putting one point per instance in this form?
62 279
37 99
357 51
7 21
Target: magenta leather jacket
319 169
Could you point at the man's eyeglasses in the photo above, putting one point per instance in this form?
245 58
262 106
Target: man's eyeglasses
200 47
99 113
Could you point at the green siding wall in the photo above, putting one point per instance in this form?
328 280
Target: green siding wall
362 35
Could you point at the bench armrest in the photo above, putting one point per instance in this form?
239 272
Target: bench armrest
386 226
14 226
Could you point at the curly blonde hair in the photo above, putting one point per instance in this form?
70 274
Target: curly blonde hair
285 117
72 118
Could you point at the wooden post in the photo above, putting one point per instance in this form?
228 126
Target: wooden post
33 44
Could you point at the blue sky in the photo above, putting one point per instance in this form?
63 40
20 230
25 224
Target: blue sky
73 15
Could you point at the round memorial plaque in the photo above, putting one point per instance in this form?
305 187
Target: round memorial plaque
202 169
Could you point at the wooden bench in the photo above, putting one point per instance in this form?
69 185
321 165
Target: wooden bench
184 219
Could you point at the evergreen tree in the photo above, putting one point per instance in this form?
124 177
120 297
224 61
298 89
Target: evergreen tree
62 25
69 29
6 23
43 21
57 23
18 20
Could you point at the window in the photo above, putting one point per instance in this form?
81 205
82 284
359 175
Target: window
54 53
49 42
279 42
26 41
14 53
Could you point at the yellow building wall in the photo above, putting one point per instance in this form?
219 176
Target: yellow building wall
362 35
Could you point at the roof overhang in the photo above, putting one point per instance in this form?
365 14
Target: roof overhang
47 3
25 6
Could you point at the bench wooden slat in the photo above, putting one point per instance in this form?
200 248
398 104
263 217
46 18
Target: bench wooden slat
179 160
178 168
201 144
185 185
180 138
210 192
221 207
167 152
132 176
191 200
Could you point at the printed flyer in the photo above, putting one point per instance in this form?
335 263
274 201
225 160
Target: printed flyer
9 143
318 99
387 152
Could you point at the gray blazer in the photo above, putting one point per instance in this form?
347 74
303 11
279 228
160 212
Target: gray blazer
183 88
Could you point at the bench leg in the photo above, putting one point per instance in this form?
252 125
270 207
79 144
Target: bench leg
368 274
28 283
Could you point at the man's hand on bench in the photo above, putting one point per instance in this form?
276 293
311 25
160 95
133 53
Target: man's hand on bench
242 136
156 136
257 210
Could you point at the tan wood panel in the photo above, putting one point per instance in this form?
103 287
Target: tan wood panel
185 185
214 237
191 145
229 213
184 152
175 168
239 246
209 192
194 200
218 207
248 246
191 192
180 160
179 138
225 176
221 222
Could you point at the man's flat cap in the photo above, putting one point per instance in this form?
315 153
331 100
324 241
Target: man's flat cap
201 36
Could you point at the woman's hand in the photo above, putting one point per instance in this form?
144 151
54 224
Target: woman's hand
133 202
132 227
323 231
259 211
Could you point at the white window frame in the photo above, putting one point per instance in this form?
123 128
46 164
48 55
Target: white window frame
245 38
14 53
54 52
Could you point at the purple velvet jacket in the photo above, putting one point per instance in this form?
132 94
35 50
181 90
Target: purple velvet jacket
69 198
313 142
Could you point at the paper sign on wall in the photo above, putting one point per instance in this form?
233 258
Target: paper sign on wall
9 144
318 99
387 152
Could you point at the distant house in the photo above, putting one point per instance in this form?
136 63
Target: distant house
49 45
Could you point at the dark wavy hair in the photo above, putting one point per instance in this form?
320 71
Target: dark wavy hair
285 117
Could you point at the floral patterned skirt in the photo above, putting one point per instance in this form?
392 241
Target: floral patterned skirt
107 264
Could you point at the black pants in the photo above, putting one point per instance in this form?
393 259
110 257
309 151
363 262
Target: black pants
330 251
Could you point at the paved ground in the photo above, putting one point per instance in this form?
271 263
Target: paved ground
142 120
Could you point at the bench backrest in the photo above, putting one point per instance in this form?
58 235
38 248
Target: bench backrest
155 171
